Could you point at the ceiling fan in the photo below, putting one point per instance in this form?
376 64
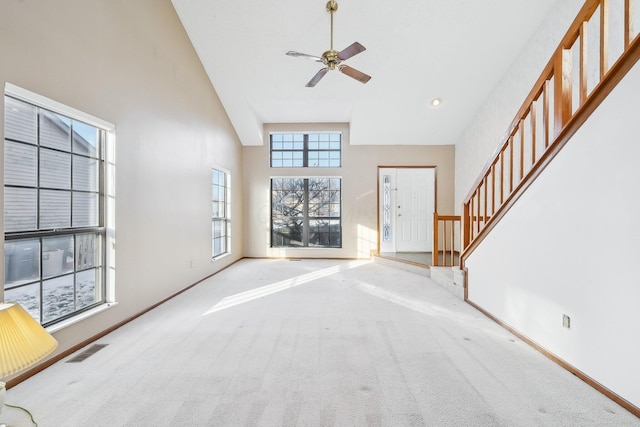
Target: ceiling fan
332 58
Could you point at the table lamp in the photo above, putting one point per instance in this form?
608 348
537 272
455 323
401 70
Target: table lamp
23 342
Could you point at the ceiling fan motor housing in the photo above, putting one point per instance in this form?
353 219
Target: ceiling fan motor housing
330 58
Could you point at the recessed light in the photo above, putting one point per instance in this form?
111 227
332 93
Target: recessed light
436 102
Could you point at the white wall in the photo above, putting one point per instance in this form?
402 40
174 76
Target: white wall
131 63
487 130
359 190
578 251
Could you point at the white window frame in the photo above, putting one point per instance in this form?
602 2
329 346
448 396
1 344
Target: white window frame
108 194
306 152
306 217
226 218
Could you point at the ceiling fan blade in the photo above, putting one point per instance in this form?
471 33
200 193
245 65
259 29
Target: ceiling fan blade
304 55
350 51
319 75
353 73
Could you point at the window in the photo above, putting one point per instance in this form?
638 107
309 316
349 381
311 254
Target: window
54 201
306 212
220 215
314 150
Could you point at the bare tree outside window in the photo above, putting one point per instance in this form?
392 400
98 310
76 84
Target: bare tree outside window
306 212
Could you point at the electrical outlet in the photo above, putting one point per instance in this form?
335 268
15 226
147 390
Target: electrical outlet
566 321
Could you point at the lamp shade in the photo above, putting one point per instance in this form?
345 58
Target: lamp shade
23 341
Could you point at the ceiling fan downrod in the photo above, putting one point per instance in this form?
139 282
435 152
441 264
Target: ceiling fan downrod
331 56
332 6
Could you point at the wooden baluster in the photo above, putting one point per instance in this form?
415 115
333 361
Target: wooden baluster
470 224
444 245
444 237
466 226
452 240
478 222
502 177
486 193
563 89
445 226
628 22
510 165
583 61
546 112
472 212
521 130
534 129
493 188
604 38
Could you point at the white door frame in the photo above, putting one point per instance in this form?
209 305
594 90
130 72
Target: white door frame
388 215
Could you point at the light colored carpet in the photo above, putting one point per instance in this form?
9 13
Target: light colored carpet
314 343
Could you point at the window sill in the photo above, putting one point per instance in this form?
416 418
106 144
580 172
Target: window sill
219 257
80 317
305 248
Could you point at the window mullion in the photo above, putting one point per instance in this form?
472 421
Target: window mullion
102 166
38 168
271 150
38 211
305 214
71 152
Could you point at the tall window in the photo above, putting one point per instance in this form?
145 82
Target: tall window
54 223
297 150
220 216
306 212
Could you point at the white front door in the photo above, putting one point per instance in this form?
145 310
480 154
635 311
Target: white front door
409 195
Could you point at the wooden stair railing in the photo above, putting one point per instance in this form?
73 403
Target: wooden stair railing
446 240
570 88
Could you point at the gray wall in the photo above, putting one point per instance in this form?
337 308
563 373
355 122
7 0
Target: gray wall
131 63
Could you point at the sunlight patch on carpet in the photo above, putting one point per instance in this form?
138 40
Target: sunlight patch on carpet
282 285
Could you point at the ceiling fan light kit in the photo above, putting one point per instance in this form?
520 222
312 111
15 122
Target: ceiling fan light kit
332 58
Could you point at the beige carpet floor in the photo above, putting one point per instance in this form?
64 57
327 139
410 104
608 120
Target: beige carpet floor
314 343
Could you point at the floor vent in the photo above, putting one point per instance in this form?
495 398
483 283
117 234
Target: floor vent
87 353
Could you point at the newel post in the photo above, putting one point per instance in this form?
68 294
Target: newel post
435 254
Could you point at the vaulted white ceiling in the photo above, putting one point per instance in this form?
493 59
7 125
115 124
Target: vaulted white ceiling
417 50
